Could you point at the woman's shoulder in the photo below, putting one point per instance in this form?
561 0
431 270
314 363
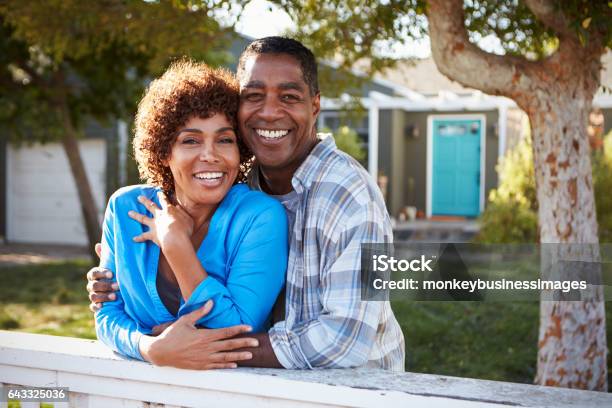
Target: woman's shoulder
129 194
248 202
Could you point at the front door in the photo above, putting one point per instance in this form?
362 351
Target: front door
456 167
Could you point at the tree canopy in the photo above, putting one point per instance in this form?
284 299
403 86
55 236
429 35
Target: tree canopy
350 31
95 54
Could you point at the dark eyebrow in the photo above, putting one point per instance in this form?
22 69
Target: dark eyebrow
284 86
188 131
291 85
255 84
220 130
225 129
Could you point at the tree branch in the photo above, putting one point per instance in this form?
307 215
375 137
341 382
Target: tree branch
550 16
464 62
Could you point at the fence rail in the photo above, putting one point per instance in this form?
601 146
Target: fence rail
97 378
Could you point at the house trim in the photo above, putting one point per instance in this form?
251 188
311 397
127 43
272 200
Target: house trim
373 142
483 134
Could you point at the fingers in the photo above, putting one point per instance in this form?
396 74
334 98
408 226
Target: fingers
146 236
99 273
101 297
157 330
98 249
102 286
141 218
228 332
193 317
233 344
151 206
231 356
94 307
218 366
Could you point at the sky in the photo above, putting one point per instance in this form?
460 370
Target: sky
260 18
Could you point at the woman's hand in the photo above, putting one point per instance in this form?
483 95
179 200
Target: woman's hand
170 225
182 345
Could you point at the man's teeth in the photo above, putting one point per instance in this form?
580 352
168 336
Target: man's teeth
208 175
271 134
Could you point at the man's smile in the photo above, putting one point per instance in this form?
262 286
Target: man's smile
272 134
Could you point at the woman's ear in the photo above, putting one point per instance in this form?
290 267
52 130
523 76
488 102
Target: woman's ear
166 161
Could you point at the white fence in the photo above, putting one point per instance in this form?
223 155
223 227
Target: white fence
97 378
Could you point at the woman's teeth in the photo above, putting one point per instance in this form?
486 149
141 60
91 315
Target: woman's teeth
271 134
208 175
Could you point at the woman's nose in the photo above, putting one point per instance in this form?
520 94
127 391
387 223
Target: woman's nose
208 153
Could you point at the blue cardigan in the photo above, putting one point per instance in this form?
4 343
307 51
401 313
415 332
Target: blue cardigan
244 254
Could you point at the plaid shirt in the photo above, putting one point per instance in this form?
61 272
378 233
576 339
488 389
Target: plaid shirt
327 325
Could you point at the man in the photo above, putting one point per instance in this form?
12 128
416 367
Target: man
333 207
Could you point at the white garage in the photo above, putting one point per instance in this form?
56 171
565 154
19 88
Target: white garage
42 201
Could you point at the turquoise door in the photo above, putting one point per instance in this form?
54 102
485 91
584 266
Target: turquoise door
456 167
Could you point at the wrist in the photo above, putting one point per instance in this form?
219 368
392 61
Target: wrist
175 243
145 346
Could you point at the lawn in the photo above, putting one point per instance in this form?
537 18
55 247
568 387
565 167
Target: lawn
47 299
495 341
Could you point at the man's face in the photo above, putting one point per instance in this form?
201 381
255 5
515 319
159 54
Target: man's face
277 114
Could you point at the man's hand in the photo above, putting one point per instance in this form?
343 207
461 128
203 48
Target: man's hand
100 291
159 329
182 345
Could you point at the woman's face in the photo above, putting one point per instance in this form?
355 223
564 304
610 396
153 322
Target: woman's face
204 161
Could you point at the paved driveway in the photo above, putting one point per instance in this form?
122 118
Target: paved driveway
28 254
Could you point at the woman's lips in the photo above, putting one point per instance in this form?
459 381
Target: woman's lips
209 178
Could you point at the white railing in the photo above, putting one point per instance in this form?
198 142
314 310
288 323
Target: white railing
97 378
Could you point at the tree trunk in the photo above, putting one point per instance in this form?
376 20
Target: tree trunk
88 205
556 92
572 338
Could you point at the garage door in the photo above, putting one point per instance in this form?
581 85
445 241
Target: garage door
42 201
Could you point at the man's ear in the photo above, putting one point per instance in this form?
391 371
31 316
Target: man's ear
316 104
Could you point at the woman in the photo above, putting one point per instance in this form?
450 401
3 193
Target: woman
205 236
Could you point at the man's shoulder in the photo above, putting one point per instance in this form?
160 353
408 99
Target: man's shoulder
342 179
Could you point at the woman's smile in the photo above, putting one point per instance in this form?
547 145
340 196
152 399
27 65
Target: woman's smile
210 178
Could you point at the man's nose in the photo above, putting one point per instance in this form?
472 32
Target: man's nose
271 109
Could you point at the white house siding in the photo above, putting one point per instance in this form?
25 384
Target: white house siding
42 200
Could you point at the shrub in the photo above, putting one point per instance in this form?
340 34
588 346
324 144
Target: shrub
602 181
348 141
511 214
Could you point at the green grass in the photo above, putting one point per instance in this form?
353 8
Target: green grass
47 299
495 341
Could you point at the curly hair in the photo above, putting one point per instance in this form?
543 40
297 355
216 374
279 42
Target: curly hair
187 89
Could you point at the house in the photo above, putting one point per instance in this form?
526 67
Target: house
431 144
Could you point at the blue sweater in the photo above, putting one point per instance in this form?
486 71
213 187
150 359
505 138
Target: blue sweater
244 254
